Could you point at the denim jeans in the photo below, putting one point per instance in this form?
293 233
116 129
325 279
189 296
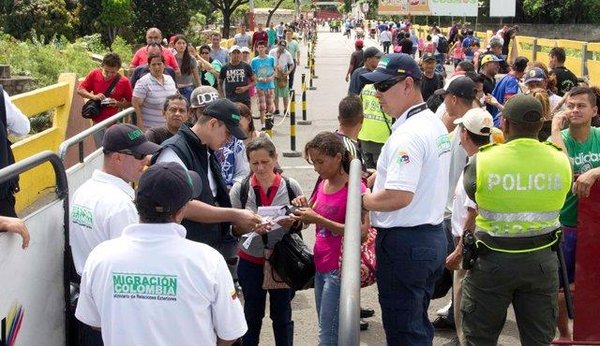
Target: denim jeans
409 262
186 92
327 297
250 276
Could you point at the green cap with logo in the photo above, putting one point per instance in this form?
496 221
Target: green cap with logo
121 137
228 113
523 108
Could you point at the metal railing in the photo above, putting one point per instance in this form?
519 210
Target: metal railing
80 137
62 192
349 319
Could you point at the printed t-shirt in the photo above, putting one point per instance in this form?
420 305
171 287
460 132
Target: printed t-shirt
565 80
583 156
328 245
94 82
242 40
292 47
236 76
263 68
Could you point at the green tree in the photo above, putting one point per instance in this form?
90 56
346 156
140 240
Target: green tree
45 17
115 15
171 17
227 7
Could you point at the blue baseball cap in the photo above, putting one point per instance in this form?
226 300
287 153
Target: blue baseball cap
535 74
392 66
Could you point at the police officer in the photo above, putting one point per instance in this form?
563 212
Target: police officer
519 188
407 203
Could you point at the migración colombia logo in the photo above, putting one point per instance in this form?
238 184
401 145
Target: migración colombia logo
144 286
11 324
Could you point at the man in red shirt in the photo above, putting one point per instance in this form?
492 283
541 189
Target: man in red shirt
97 82
260 35
153 35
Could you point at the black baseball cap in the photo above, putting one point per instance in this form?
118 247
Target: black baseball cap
227 112
461 86
428 57
121 137
169 186
523 108
392 66
372 52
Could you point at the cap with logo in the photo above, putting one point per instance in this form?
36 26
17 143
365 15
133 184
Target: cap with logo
477 121
392 66
372 52
489 58
428 57
121 137
535 74
228 113
460 86
202 96
523 108
168 186
234 48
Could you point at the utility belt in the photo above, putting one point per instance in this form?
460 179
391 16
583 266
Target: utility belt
483 244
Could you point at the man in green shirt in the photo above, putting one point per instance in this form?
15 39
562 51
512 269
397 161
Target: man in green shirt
581 143
272 35
294 49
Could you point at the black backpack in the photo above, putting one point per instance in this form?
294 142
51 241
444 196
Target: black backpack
246 187
442 46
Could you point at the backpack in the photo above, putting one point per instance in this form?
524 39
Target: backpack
246 187
442 46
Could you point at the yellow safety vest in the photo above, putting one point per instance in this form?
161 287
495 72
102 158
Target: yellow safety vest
521 188
377 125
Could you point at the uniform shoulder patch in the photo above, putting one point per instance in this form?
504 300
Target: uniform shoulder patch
553 145
487 146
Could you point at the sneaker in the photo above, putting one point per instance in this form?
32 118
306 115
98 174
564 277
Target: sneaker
364 325
276 112
444 311
366 313
442 323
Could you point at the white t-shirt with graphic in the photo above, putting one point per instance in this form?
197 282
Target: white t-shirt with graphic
151 286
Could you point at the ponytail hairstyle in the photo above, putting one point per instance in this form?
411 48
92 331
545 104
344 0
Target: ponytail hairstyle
329 144
186 61
266 144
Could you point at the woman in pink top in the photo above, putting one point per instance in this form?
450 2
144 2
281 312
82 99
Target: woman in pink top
327 210
457 52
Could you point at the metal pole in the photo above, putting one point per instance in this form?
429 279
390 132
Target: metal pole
312 72
307 56
292 152
349 320
304 120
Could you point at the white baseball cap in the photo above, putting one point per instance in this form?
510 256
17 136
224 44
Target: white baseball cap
477 120
245 50
234 48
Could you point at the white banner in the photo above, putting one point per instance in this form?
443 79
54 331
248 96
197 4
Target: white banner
456 8
503 8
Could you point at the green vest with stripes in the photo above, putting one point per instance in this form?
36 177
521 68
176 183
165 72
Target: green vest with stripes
521 188
376 124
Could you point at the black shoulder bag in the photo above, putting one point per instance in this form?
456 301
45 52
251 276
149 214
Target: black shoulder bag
92 108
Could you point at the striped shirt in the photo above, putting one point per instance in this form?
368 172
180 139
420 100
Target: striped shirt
153 95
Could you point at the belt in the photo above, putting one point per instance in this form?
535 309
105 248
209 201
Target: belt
515 245
423 227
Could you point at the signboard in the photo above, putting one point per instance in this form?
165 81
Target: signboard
503 8
457 8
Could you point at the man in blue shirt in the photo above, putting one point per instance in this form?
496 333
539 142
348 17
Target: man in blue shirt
508 86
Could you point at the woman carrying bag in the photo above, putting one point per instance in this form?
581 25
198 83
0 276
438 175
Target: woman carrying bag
264 187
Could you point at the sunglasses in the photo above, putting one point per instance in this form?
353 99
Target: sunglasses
387 84
131 153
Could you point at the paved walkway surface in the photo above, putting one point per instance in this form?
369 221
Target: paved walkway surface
332 57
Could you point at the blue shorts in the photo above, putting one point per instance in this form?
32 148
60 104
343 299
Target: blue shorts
568 245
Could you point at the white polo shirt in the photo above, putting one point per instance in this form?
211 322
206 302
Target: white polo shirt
101 208
460 204
416 158
151 286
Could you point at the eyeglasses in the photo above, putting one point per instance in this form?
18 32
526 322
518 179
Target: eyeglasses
387 84
131 153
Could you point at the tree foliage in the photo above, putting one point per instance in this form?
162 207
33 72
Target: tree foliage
227 7
115 15
48 18
171 17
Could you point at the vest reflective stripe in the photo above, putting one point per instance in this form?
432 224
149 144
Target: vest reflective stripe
523 216
521 187
376 125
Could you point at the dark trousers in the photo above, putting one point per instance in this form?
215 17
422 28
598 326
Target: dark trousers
250 276
409 261
291 78
7 206
90 336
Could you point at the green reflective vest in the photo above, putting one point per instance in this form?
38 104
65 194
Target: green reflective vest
377 125
521 188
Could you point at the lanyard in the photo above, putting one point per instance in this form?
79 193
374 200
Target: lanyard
415 110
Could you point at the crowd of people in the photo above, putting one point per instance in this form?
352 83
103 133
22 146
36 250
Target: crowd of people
447 185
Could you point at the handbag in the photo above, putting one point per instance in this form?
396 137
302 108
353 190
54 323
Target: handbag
91 109
293 262
271 280
368 261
